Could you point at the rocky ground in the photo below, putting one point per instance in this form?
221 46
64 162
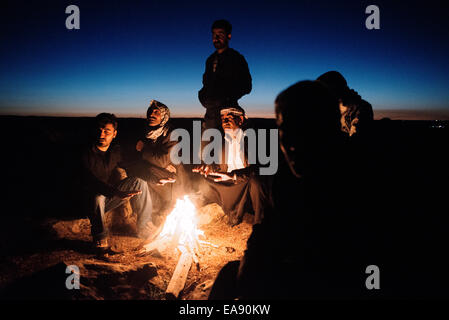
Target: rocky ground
128 272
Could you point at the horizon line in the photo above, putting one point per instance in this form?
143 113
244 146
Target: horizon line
393 114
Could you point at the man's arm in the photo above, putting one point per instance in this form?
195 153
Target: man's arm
242 81
244 173
159 154
207 94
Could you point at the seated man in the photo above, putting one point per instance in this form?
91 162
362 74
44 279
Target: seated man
155 166
99 161
356 113
309 239
233 182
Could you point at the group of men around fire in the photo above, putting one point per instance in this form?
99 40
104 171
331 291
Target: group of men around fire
311 219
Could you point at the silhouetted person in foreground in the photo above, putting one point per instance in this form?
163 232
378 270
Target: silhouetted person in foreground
226 78
356 114
327 232
100 160
310 247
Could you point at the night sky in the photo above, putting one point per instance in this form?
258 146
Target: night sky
129 52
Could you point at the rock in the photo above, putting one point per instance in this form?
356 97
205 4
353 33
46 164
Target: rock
209 213
71 229
118 280
76 227
120 221
148 268
201 291
46 284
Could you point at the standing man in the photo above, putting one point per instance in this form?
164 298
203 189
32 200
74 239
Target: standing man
99 162
226 78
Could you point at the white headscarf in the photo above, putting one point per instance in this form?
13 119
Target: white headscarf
237 111
153 133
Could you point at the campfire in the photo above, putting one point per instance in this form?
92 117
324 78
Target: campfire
180 232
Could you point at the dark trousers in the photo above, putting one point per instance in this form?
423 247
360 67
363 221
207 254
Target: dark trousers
97 205
232 197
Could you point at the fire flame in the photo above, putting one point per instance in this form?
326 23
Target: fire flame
181 224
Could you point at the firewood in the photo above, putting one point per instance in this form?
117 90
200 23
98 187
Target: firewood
196 261
208 243
158 244
179 277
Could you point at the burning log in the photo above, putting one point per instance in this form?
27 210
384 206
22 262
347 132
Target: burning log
158 244
179 277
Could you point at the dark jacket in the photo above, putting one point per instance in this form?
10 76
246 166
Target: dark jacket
157 153
229 81
98 168
155 157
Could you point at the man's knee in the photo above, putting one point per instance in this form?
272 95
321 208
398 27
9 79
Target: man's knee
99 200
135 183
141 184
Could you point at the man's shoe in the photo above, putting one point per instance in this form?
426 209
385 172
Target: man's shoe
101 245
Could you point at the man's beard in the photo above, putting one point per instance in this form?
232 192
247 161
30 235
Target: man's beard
219 45
102 143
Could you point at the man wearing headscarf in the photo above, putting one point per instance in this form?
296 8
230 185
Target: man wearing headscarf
155 165
356 113
234 181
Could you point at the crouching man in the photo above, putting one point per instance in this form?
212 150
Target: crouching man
165 180
234 182
100 160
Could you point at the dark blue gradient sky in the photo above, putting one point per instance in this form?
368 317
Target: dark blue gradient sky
129 52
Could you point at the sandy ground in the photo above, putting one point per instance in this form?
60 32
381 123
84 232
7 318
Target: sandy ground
128 272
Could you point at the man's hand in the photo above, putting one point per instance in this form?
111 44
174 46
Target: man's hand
196 169
222 177
126 195
171 168
139 145
164 181
204 170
